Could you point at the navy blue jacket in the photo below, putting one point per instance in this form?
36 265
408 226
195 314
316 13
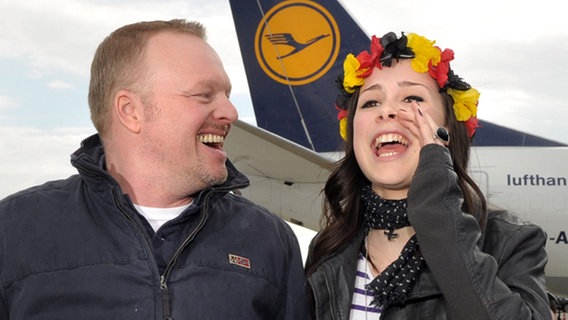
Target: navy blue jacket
77 249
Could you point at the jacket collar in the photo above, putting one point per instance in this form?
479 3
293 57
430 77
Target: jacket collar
89 160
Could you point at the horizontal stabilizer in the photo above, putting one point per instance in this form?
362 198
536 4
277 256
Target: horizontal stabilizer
492 135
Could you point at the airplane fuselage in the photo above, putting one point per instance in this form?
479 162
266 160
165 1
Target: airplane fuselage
532 182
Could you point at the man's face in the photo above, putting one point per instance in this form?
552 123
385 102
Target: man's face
188 112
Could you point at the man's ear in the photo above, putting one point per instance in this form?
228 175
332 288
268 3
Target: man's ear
129 110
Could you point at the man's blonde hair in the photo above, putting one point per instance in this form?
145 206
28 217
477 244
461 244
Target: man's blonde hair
118 63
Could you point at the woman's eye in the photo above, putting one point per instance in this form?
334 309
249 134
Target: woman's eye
370 103
410 99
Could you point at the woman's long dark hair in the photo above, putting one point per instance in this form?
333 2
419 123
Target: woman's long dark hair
341 220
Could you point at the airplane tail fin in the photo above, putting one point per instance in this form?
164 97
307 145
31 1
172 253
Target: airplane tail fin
292 52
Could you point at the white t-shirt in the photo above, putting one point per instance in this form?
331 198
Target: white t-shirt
158 216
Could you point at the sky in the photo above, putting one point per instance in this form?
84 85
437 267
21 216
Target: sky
513 52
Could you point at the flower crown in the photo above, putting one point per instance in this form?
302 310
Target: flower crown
425 58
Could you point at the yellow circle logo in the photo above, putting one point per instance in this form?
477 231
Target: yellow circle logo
297 42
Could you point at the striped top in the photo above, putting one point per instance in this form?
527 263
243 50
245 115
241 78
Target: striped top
361 308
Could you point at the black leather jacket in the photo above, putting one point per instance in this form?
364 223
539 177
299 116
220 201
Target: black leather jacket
77 249
495 275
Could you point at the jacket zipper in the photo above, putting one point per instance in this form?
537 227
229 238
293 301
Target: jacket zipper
163 291
165 298
164 277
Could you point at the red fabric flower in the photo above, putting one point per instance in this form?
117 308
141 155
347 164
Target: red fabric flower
471 124
341 114
440 71
370 60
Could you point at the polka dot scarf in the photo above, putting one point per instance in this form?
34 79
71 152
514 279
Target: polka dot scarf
384 214
394 283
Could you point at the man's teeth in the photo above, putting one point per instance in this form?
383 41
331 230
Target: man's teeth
390 138
211 138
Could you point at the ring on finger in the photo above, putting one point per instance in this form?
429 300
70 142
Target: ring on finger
442 134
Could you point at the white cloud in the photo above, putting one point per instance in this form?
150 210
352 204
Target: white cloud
62 35
57 84
35 74
8 102
32 156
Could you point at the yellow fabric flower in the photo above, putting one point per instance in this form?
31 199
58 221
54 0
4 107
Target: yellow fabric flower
465 103
350 70
424 51
343 128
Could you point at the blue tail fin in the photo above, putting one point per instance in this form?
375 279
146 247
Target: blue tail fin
293 51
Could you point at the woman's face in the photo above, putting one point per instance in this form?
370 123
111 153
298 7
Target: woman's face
386 150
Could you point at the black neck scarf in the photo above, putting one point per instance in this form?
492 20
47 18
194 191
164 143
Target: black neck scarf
394 283
384 214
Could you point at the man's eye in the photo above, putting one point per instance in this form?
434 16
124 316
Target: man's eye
203 96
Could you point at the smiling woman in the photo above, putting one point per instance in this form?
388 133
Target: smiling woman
402 218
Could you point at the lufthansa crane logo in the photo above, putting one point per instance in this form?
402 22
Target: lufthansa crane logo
297 42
